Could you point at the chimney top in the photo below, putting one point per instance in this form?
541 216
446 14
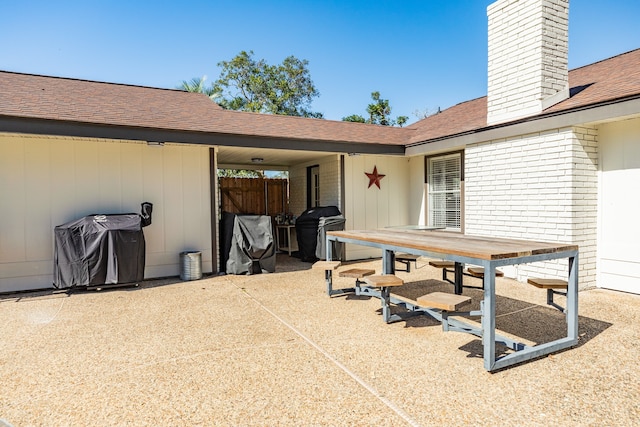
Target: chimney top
528 57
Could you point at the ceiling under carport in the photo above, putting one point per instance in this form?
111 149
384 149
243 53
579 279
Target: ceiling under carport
272 159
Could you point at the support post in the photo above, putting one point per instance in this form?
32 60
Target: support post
572 299
458 278
488 316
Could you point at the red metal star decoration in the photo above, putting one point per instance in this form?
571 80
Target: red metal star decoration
374 177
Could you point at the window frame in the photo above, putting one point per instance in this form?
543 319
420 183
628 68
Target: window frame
428 160
313 186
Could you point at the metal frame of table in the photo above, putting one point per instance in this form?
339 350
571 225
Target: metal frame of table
460 249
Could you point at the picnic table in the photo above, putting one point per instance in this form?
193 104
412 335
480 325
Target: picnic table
486 252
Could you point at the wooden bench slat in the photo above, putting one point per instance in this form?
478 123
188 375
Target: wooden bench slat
442 264
357 273
383 281
407 257
479 272
547 283
443 301
326 265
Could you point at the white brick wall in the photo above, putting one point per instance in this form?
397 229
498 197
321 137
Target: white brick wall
537 187
297 189
329 183
528 57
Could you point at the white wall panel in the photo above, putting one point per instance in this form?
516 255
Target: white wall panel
417 192
38 195
13 203
373 207
62 154
131 180
619 229
46 182
153 177
173 198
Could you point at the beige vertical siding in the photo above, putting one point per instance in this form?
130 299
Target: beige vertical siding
45 182
370 208
417 193
619 229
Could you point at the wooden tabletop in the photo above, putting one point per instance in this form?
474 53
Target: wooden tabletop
486 248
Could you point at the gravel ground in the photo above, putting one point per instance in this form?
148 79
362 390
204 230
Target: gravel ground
274 349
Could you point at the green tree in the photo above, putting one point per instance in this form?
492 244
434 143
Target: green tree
239 173
197 85
357 118
248 84
379 113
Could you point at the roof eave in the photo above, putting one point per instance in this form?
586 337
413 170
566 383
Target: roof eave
587 114
22 125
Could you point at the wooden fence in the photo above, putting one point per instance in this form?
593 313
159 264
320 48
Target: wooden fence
257 196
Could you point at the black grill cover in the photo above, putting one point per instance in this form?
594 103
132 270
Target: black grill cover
247 244
329 223
307 230
99 250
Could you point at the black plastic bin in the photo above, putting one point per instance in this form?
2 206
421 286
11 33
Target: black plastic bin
307 230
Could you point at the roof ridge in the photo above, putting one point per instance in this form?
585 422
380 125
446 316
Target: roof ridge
605 59
445 109
77 79
319 120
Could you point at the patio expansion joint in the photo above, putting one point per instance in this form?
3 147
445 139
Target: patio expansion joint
391 405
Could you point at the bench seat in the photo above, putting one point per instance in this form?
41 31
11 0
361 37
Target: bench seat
383 281
442 264
326 265
407 259
547 283
553 287
479 272
443 301
357 273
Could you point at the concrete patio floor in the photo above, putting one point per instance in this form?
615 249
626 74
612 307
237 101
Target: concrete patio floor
274 349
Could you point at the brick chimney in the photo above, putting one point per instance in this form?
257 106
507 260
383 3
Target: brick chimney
528 57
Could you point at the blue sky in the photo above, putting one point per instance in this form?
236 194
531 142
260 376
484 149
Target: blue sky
420 55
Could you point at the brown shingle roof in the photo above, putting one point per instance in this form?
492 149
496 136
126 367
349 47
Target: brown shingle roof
607 80
460 118
72 100
612 79
25 95
53 98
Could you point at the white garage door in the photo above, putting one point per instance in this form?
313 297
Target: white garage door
619 234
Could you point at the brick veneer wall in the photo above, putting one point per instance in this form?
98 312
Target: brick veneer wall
528 57
329 184
539 187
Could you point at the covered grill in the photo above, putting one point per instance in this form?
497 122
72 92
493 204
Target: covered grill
246 244
101 250
307 228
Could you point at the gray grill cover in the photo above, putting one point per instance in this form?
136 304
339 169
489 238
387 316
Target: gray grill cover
99 250
252 249
329 223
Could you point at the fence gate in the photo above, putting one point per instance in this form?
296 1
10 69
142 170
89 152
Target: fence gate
254 196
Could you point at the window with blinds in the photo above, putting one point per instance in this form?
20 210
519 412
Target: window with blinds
443 186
